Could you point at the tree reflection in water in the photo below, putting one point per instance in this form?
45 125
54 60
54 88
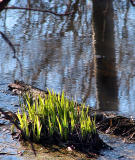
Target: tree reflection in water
105 69
58 52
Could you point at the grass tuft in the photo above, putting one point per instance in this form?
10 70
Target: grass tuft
55 117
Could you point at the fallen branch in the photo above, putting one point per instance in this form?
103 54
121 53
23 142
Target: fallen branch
11 117
20 88
40 10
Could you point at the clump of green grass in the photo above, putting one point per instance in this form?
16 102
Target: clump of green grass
55 118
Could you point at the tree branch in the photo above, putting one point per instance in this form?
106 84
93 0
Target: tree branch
40 10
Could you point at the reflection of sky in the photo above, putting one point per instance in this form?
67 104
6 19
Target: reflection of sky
11 20
125 53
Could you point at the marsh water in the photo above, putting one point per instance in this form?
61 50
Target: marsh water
90 55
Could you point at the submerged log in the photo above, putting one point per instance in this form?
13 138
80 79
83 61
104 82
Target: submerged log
20 88
108 123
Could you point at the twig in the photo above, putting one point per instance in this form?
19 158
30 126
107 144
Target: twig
8 41
40 10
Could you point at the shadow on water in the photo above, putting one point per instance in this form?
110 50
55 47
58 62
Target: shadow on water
104 48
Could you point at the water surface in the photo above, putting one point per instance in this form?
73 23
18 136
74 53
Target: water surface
62 53
90 55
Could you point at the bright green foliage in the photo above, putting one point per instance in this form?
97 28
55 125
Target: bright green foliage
38 126
54 115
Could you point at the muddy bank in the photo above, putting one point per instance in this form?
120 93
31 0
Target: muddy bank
120 126
91 147
11 149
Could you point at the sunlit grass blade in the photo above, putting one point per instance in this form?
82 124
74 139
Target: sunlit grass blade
39 127
20 120
60 126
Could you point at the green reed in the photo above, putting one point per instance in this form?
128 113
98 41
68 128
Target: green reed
54 115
